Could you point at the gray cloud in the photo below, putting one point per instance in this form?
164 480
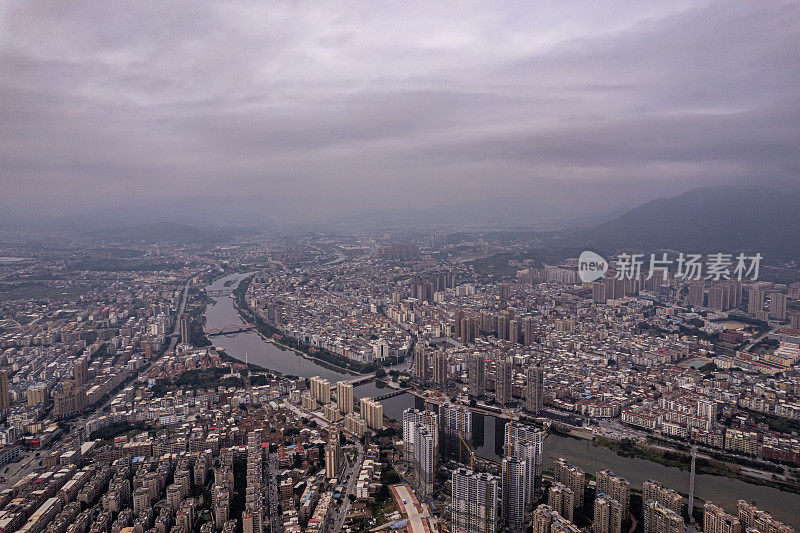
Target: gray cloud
380 105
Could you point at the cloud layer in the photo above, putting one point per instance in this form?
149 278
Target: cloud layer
337 108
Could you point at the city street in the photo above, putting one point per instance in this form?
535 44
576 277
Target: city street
273 499
351 470
417 515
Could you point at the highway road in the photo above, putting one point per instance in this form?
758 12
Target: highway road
181 308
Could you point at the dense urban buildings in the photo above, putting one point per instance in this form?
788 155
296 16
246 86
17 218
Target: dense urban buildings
484 267
420 379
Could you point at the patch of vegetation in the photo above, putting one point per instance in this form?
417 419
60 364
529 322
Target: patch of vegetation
205 378
629 448
37 289
118 264
109 433
776 423
389 476
196 334
258 380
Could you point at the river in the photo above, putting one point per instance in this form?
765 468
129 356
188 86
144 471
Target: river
488 435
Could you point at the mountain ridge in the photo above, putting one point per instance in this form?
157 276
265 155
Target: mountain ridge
723 219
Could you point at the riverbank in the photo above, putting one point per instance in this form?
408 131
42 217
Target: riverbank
682 461
261 329
304 355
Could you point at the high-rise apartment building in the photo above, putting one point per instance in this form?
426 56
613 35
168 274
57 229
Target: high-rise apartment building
5 398
420 443
69 399
543 518
421 364
476 375
599 292
514 483
547 520
777 305
717 297
333 456
794 320
755 302
469 329
355 424
308 402
331 413
615 487
504 291
503 380
528 331
475 498
372 413
716 520
344 397
751 516
607 515
80 372
737 289
571 476
526 442
660 519
141 499
413 416
561 499
534 389
564 526
440 365
456 422
697 293
513 330
502 327
321 390
653 490
458 322
252 520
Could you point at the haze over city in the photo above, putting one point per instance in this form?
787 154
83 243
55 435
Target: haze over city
405 267
315 110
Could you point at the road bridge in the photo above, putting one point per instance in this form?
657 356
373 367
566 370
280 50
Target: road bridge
229 330
219 292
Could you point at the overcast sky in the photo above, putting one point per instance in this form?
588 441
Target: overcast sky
341 106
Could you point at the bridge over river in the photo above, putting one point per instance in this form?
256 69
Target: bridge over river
229 330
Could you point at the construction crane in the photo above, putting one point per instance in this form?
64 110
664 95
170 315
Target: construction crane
691 486
520 441
509 449
510 425
471 453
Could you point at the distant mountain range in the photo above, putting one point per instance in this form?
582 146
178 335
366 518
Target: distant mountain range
725 219
199 212
159 232
706 220
500 211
